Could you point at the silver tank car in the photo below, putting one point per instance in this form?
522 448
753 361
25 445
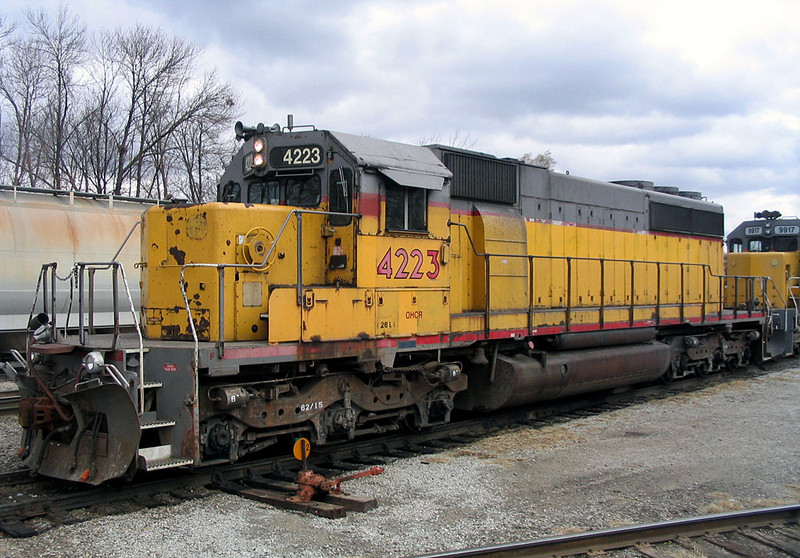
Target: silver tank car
38 226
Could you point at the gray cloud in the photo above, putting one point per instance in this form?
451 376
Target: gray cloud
594 82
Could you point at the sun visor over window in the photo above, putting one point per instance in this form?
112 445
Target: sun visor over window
414 179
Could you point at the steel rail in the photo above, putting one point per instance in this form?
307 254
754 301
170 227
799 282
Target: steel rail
625 537
9 403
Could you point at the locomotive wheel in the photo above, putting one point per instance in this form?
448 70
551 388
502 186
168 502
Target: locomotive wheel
734 362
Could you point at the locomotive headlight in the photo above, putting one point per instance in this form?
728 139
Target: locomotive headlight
93 361
259 154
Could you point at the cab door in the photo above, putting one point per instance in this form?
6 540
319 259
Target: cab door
340 244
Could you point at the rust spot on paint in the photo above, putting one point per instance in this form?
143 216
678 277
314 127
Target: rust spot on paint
179 255
202 327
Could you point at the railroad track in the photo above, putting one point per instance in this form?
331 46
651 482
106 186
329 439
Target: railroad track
760 532
9 403
51 502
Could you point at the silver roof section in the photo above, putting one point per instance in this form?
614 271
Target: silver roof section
408 165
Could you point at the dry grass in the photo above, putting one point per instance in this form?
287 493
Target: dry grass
734 386
723 502
686 553
472 453
570 531
739 386
791 376
546 438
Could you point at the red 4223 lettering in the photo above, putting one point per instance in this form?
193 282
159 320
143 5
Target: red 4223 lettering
409 265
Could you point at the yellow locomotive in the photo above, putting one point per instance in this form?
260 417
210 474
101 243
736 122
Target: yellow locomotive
343 285
768 247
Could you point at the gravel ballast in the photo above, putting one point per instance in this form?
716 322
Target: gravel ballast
727 447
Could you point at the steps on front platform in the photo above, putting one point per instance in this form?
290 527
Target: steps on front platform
160 457
156 457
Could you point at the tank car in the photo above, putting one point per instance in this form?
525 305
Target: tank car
38 225
769 247
343 286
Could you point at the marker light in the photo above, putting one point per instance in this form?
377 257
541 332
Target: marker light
93 361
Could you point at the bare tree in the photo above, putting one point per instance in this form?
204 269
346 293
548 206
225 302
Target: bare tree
162 92
544 160
140 120
21 84
456 139
6 29
201 153
96 138
61 47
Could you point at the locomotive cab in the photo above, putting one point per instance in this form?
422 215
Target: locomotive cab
297 214
294 318
768 246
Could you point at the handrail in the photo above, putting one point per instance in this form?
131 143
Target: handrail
764 279
220 267
48 275
706 270
793 283
84 268
124 242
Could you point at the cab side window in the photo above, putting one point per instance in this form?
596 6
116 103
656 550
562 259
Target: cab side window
406 208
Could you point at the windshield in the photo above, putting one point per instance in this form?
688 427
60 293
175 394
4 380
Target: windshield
302 191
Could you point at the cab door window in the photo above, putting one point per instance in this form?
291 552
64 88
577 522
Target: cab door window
231 192
340 196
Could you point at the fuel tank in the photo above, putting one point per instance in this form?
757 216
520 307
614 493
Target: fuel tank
521 378
585 340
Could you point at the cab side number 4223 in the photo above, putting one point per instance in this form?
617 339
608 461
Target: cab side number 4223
410 265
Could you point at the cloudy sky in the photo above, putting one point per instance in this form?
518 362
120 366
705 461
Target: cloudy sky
698 94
